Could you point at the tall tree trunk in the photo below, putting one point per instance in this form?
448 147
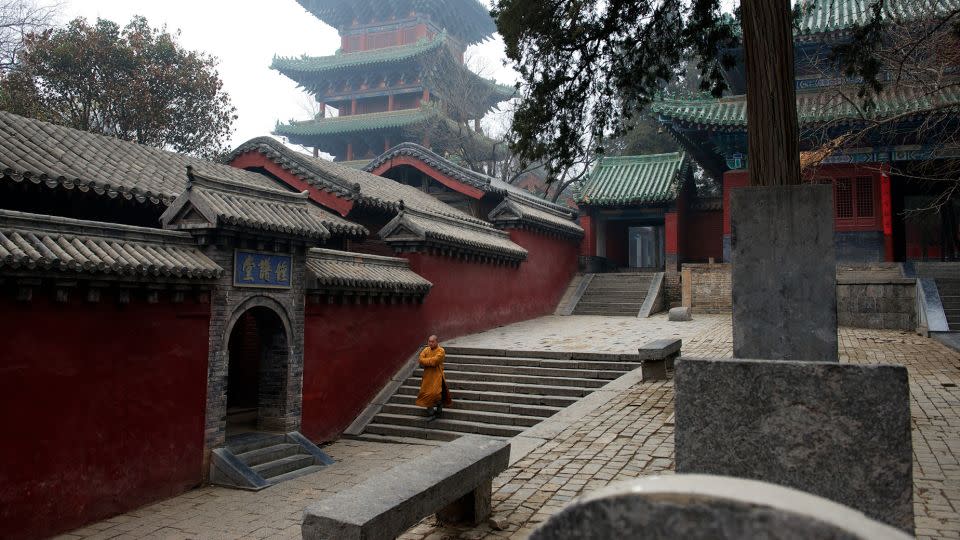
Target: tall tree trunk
773 145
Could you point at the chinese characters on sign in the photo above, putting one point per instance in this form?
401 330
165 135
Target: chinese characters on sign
256 269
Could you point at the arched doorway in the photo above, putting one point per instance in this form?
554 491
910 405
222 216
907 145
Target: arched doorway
258 362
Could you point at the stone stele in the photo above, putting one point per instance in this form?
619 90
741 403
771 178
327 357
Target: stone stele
702 507
840 431
784 282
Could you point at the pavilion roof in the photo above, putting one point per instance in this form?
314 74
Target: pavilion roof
634 180
276 211
357 123
730 113
822 16
440 232
31 242
340 270
468 20
58 156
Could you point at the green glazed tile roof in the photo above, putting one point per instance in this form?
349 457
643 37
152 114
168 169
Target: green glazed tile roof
467 20
317 64
357 123
818 16
812 108
629 180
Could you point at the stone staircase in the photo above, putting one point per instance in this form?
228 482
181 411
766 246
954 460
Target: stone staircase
616 294
498 395
949 290
257 460
947 277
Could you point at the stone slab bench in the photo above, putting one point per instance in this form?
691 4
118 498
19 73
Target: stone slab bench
454 480
657 357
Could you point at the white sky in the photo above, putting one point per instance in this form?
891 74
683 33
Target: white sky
244 35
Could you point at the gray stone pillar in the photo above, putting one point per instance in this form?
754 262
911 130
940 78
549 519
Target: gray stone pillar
784 273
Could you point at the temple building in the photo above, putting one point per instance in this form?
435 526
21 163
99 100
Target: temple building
886 181
159 306
399 76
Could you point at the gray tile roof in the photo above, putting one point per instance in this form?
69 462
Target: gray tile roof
34 242
340 270
413 228
517 211
223 203
347 182
484 183
31 150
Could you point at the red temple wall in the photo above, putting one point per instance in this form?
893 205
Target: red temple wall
351 351
102 407
704 238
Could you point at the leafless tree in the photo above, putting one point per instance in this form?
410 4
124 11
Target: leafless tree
17 19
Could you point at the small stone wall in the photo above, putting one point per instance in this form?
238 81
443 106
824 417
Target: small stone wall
884 304
706 288
672 290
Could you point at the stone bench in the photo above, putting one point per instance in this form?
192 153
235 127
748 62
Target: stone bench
657 357
454 480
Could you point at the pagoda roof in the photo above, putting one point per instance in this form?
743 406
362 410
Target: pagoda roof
467 20
312 72
730 113
358 123
634 180
825 16
309 65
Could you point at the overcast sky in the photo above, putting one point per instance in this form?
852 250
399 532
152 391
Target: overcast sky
245 35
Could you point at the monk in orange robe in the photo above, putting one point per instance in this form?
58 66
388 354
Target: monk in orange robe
434 393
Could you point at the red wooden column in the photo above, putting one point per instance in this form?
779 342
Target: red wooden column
588 247
390 103
671 233
886 213
349 151
353 106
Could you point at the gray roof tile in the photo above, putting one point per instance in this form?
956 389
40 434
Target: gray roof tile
35 242
341 270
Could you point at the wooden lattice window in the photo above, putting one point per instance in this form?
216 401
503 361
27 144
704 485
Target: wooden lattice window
843 198
865 197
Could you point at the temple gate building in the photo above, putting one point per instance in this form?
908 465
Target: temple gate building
158 306
398 76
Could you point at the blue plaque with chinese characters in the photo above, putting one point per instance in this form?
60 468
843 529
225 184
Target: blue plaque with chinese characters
259 269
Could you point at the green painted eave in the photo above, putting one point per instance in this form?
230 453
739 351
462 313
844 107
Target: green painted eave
812 108
633 180
467 20
296 68
824 16
357 123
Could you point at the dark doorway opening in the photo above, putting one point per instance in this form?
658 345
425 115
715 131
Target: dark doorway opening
256 372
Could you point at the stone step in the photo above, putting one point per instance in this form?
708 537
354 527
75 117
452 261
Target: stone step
454 376
604 314
462 360
296 474
389 439
246 442
407 432
494 396
447 424
509 387
453 367
284 465
614 306
269 453
457 413
591 310
502 407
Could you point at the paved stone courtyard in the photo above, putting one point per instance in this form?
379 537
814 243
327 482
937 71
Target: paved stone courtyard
630 435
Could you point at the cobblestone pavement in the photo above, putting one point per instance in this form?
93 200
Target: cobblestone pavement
627 437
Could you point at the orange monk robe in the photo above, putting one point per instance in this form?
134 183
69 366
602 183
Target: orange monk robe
433 386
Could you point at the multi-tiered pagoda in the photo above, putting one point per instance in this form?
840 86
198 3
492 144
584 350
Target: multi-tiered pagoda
399 76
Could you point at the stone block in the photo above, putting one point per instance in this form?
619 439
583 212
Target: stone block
703 507
840 431
660 349
653 370
784 273
679 314
454 478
